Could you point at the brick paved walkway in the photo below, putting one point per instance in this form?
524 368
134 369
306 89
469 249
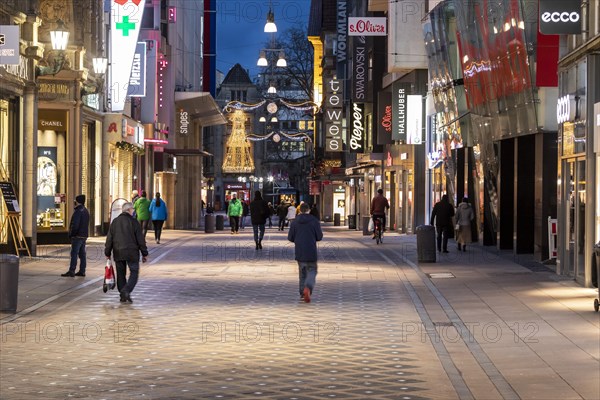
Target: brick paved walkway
213 318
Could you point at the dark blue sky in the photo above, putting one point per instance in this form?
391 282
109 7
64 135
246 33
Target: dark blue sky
240 25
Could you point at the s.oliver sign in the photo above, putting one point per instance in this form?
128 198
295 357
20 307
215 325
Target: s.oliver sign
367 26
560 17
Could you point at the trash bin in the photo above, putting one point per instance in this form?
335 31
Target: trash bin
597 253
365 225
9 282
336 219
426 243
210 223
351 221
220 224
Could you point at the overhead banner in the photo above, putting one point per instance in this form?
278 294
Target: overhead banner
560 17
9 45
384 118
125 21
137 80
414 119
333 116
357 129
359 69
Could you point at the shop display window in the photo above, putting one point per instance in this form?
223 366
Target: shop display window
51 180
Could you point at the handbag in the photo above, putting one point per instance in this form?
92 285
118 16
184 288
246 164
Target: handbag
109 277
371 225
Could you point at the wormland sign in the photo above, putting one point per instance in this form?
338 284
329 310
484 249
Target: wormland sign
560 17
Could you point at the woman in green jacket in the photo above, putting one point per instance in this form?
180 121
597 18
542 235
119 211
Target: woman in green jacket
142 212
234 211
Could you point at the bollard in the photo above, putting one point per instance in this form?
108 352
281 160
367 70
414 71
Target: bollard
210 223
352 221
336 219
426 243
9 282
220 224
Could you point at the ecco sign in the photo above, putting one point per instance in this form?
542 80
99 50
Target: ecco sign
565 109
560 17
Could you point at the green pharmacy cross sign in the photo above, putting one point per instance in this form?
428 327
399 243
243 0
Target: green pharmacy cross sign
125 26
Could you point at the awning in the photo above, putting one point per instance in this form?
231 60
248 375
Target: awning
201 107
351 170
187 152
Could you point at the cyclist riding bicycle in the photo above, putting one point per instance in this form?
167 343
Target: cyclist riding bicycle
379 205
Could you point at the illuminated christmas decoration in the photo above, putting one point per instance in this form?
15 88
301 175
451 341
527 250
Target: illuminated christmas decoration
238 151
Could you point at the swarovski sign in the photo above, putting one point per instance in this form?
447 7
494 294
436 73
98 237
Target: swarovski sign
560 17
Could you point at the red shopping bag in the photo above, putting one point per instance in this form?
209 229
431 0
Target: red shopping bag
109 277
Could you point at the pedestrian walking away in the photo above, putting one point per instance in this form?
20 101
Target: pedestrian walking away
142 212
125 242
134 197
271 213
245 212
159 214
78 233
259 212
379 205
464 216
281 214
442 213
291 213
314 211
234 212
305 232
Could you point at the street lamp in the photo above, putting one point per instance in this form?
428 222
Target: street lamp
270 26
59 38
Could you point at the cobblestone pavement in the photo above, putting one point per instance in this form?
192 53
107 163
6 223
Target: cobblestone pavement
214 318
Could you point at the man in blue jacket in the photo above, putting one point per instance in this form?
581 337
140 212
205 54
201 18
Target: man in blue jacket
78 233
305 232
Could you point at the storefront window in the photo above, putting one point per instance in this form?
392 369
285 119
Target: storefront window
51 179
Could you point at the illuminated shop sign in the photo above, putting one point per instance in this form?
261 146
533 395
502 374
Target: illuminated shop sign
384 118
414 120
359 70
566 109
357 129
137 80
126 17
342 38
9 45
560 17
332 116
367 26
399 112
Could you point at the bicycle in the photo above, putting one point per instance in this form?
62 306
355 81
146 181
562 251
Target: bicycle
378 221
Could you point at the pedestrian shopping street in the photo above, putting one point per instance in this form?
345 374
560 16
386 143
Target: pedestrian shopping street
214 318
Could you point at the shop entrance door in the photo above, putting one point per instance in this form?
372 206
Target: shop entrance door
574 196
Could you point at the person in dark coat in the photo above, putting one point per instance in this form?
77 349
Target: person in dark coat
125 242
245 211
281 214
259 212
78 233
442 214
314 211
305 232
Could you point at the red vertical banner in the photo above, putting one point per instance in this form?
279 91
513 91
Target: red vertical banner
547 60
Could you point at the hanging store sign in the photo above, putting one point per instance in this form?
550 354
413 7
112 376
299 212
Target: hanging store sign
9 45
399 112
333 116
414 119
560 17
367 26
357 129
597 128
342 37
359 69
137 80
52 120
566 108
182 123
125 21
384 118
